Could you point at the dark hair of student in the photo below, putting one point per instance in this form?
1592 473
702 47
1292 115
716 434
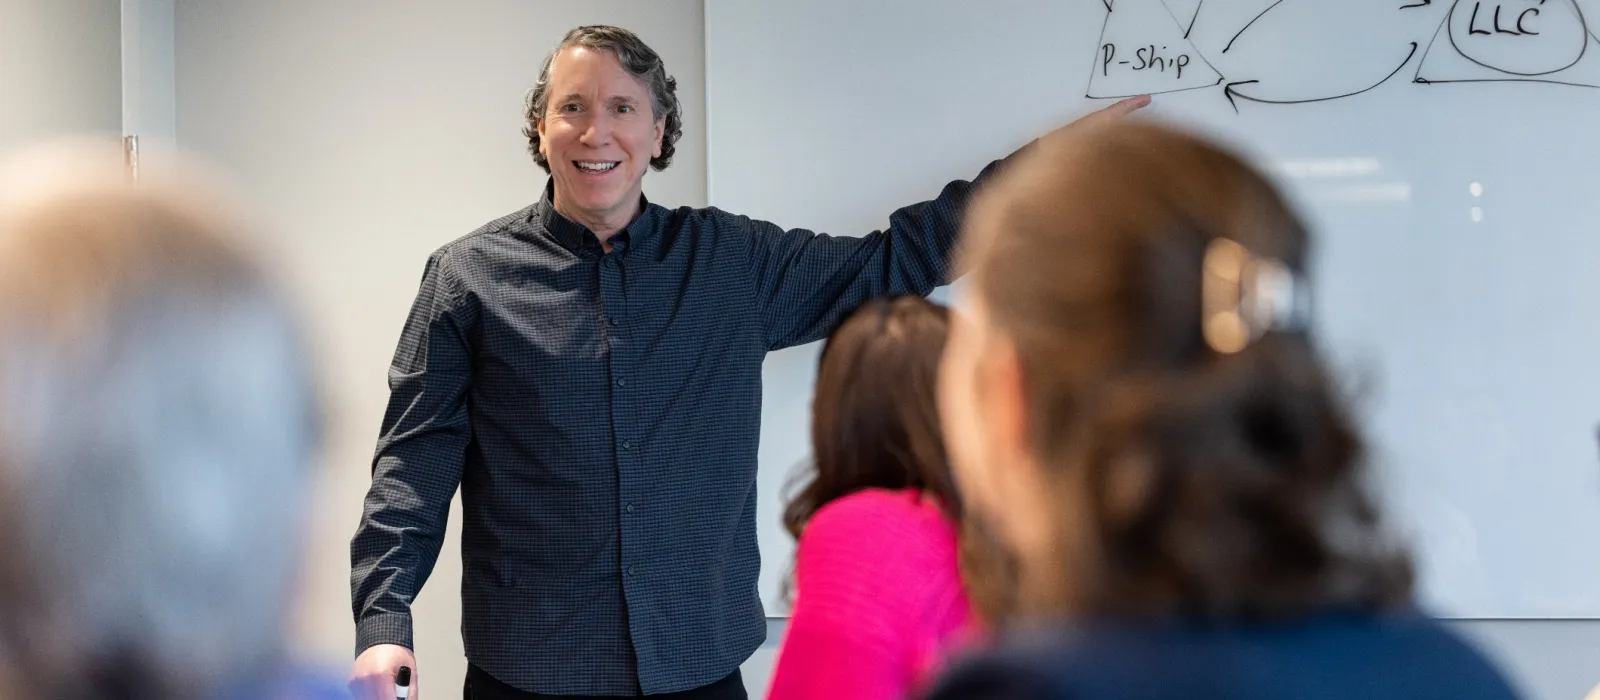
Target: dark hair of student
875 424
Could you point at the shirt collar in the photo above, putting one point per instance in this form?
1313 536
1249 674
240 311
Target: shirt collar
575 236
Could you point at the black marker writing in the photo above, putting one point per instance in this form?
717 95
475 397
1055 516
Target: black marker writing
1519 30
1148 58
1553 45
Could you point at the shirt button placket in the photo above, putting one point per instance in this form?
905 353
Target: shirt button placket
613 300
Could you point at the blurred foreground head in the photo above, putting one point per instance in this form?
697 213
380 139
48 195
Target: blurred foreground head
1131 392
158 425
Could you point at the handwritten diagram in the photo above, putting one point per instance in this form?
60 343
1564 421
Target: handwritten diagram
1277 52
1547 41
1145 49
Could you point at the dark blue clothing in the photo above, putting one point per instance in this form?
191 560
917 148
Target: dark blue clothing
601 412
1333 657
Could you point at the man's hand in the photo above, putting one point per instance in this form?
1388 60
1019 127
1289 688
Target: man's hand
1117 110
1105 115
375 669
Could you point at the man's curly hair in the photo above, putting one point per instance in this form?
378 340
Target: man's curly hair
639 60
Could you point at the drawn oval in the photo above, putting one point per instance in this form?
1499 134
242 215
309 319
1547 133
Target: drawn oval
1519 37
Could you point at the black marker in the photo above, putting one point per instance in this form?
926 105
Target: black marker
402 683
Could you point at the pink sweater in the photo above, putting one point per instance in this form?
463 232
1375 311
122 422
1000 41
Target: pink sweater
878 600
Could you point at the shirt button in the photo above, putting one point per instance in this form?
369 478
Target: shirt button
621 381
613 320
630 571
629 508
627 444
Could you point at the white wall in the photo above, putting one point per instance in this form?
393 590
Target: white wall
371 133
60 69
149 105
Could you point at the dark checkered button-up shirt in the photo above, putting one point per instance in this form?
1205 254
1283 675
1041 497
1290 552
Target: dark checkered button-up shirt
600 413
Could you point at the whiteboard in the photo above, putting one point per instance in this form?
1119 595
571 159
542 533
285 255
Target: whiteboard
1445 152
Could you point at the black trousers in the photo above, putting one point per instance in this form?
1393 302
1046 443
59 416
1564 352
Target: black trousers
482 686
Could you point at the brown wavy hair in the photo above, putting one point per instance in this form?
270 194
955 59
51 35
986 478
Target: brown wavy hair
1187 481
875 424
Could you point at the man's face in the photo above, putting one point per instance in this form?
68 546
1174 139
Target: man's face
599 132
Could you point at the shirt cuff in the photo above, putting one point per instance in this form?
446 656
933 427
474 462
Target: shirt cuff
383 628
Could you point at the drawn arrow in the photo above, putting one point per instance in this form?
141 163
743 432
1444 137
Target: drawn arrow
1246 26
1232 93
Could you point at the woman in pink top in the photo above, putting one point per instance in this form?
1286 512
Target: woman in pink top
879 599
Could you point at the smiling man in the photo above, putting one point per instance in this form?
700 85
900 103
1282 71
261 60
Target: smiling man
588 371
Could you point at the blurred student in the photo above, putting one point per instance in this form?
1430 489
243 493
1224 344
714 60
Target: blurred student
1131 395
158 426
882 576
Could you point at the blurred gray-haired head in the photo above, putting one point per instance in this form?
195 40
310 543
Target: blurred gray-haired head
158 427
